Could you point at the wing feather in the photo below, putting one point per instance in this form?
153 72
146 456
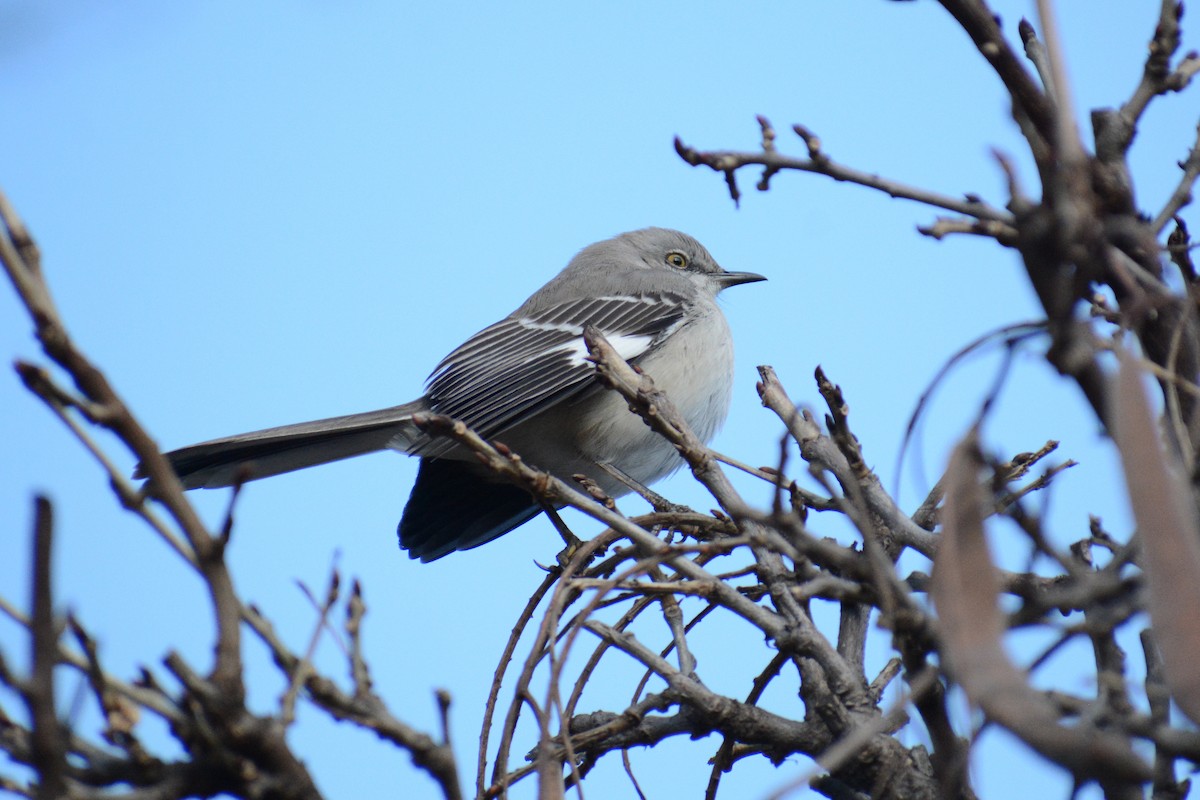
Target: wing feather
510 371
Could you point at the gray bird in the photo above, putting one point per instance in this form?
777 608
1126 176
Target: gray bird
526 381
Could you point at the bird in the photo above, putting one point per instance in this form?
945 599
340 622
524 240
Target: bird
526 382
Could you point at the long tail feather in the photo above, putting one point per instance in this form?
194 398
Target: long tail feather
260 454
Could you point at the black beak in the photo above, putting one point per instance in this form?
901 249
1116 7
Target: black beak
727 279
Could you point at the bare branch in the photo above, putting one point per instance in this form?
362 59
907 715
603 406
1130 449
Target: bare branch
772 161
47 743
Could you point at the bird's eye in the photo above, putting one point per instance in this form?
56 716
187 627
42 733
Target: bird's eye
677 259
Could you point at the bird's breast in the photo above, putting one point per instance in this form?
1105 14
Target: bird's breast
694 367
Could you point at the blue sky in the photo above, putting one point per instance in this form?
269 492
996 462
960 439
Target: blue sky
254 214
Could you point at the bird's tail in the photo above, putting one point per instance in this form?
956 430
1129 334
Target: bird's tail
249 456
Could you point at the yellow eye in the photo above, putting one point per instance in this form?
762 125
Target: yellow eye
677 259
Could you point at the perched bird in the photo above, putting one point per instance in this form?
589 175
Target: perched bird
526 382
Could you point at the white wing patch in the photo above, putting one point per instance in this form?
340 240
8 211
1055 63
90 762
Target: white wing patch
628 347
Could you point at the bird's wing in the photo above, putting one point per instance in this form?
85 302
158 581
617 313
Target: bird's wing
526 363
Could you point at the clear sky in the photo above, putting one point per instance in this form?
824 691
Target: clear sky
260 213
